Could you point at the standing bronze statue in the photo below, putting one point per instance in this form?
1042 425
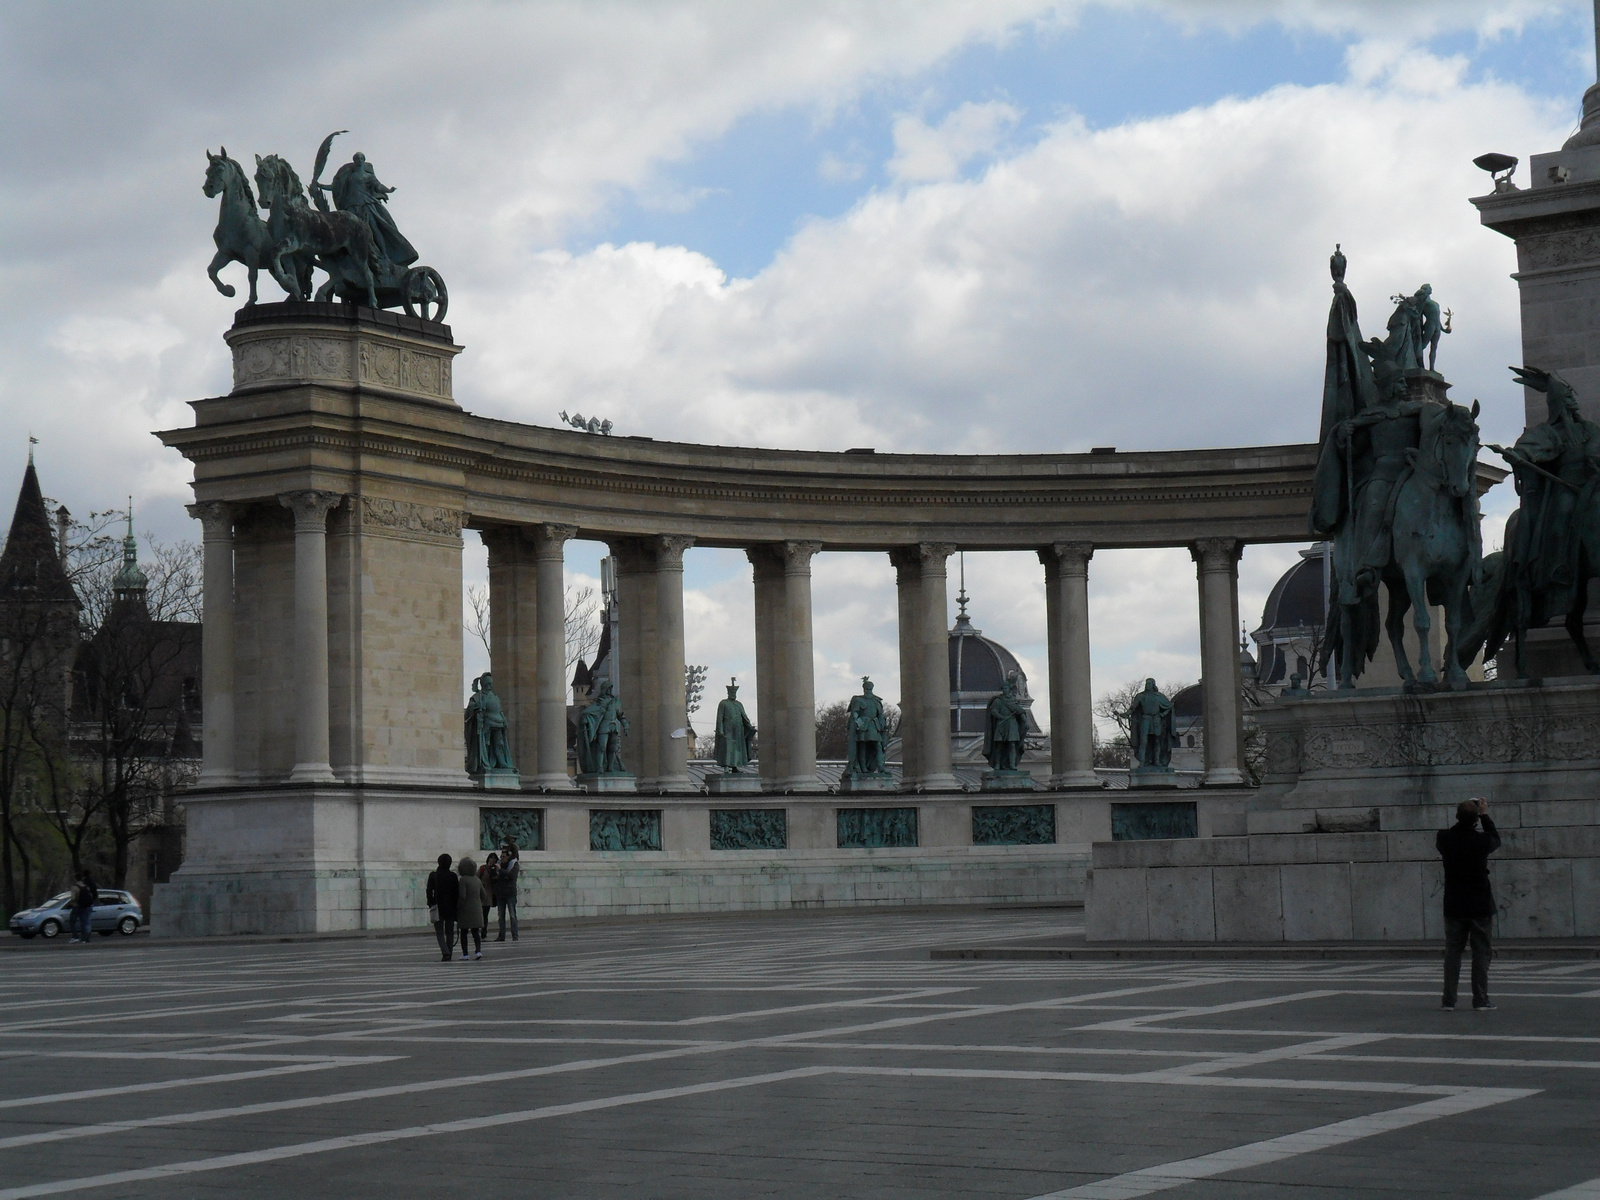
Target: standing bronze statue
735 735
488 749
866 734
1005 729
600 728
1151 730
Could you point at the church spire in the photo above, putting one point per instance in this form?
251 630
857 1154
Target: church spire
130 583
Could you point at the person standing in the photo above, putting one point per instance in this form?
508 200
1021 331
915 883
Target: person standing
505 890
83 898
489 876
471 907
443 894
1468 899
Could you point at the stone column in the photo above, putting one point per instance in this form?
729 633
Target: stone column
1066 573
311 510
908 584
672 717
934 672
1217 563
800 695
636 600
217 765
549 767
513 645
772 720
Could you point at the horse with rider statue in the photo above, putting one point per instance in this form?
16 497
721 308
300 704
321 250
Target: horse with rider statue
1396 492
355 242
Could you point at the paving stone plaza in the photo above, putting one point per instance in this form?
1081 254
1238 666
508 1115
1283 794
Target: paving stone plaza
798 1055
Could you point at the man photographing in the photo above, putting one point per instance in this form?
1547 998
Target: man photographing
1468 900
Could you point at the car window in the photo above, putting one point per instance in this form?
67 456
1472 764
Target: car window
109 899
57 901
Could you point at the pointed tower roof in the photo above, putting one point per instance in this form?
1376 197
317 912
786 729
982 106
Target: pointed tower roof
130 579
30 568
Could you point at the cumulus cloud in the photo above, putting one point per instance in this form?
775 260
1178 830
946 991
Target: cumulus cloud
923 153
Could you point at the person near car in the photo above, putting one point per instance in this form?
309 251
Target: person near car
83 898
489 876
443 893
471 907
505 889
1468 899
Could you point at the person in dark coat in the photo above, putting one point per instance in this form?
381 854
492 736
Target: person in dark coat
472 903
505 889
83 897
1468 900
443 893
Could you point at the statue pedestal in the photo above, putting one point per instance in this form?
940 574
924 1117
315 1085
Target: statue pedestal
1007 781
1139 780
880 781
739 783
594 784
499 780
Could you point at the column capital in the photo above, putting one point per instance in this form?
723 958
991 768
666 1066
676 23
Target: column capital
670 548
215 517
1216 553
310 508
502 541
797 555
907 563
934 554
549 540
1071 558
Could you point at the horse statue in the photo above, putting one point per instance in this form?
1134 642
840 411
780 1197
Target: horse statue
1552 541
340 242
1436 557
241 235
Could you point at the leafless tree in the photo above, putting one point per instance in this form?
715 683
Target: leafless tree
477 614
582 631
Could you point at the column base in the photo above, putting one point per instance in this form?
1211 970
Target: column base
550 783
312 773
739 783
1076 779
1225 777
218 779
674 783
944 782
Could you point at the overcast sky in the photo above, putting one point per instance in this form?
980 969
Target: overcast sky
937 226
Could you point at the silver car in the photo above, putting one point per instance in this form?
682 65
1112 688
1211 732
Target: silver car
114 912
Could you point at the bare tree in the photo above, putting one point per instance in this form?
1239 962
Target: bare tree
477 614
581 630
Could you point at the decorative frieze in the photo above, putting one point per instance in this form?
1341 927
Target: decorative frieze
749 829
870 828
1014 825
365 358
294 357
624 829
405 369
1521 738
399 518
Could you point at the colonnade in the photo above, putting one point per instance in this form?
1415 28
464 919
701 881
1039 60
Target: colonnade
528 637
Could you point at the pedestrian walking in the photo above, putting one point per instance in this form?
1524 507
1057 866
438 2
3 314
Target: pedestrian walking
489 876
83 897
444 892
505 892
470 907
1468 899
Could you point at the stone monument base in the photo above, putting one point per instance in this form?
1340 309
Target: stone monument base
878 782
1339 840
510 781
1138 780
736 783
1006 781
594 784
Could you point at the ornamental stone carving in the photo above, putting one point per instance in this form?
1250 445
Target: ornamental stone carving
1440 743
405 369
274 359
1567 248
424 522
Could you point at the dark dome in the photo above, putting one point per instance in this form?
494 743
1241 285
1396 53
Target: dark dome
1186 704
978 670
1296 599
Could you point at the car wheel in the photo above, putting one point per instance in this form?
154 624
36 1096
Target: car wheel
51 928
128 926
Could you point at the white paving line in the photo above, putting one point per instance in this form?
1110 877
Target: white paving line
192 1081
1134 1024
1255 1154
1589 1190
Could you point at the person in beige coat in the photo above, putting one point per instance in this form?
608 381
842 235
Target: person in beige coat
470 907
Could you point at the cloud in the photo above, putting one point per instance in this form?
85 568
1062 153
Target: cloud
923 153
